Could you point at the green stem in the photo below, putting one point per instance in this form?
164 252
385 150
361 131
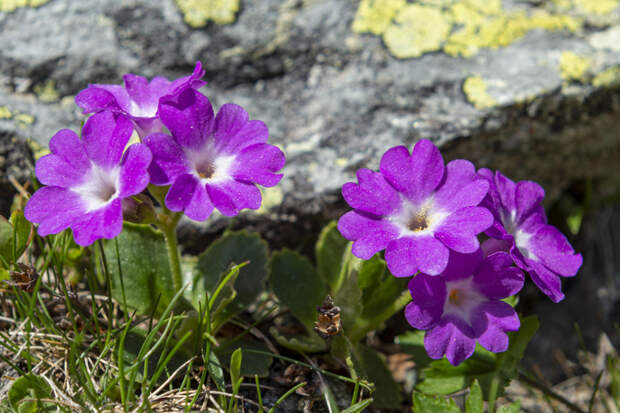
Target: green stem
168 226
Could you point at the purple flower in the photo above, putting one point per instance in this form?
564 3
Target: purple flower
416 209
138 99
463 304
87 180
520 225
211 161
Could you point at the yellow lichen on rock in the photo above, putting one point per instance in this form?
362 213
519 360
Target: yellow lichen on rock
574 67
475 89
597 6
375 16
10 5
418 30
47 91
458 27
607 78
5 113
197 13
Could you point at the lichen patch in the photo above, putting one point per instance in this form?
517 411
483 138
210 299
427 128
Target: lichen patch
417 30
458 28
8 6
573 68
607 78
475 88
197 13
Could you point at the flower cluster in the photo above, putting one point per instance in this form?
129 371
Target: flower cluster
208 161
428 218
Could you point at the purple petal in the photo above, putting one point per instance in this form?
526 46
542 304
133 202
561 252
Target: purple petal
428 295
96 99
462 265
252 132
66 145
449 340
400 257
555 252
257 163
490 322
493 245
528 197
105 136
370 235
430 255
169 160
373 194
106 222
496 278
145 100
548 282
459 230
54 208
134 176
229 121
416 175
192 80
231 197
188 116
146 126
534 220
506 190
187 194
461 187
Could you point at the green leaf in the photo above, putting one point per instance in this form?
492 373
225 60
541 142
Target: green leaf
349 299
441 377
26 393
474 404
252 363
215 371
330 249
412 342
373 368
15 235
514 407
23 231
231 249
308 344
235 369
508 361
358 407
144 266
423 403
380 288
296 284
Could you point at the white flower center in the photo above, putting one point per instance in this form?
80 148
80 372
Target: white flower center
462 298
208 165
142 112
99 188
417 220
522 238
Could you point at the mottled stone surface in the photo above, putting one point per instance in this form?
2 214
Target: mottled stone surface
529 87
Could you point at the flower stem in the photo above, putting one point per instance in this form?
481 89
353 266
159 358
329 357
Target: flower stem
168 226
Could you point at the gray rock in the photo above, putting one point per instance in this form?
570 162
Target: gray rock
336 98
